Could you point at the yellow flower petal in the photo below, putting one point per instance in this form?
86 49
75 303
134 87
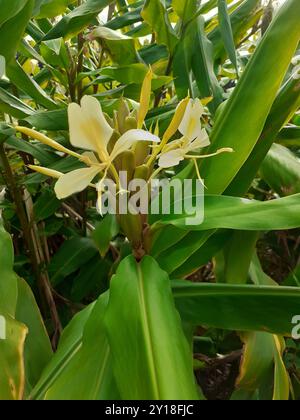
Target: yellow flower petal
190 126
176 121
46 171
89 129
46 140
172 158
200 142
75 181
145 98
128 139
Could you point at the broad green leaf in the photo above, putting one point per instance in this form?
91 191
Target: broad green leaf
241 20
38 352
156 15
8 279
126 19
208 6
25 83
121 47
202 65
257 275
151 356
189 247
193 57
58 120
261 349
92 280
13 29
55 53
173 258
89 375
238 254
226 32
282 380
242 120
182 64
49 120
289 136
46 205
286 104
199 258
72 23
185 9
10 9
134 73
281 170
72 255
50 8
37 150
258 359
241 214
69 346
14 106
105 231
12 373
252 308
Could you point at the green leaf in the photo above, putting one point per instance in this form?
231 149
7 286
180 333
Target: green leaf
134 73
50 8
121 47
226 32
185 9
126 19
289 136
156 15
13 29
13 106
282 380
238 254
151 356
46 205
242 120
92 280
258 359
12 378
281 170
105 231
72 255
88 376
252 308
8 279
261 349
240 214
242 19
286 104
72 23
50 120
38 350
26 84
199 258
10 9
37 150
202 66
69 346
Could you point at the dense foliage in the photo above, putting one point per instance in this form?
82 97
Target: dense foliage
126 306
